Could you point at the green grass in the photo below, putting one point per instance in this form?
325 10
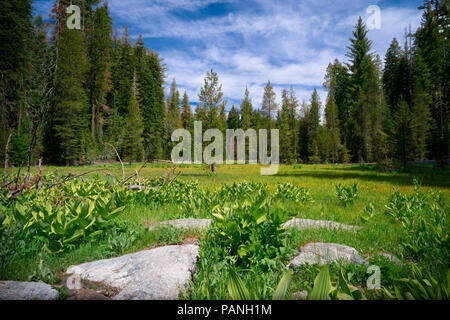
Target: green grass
379 234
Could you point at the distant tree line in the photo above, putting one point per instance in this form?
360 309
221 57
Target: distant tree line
69 97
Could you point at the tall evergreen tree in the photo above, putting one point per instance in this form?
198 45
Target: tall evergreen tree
211 98
286 134
303 131
292 119
332 124
367 94
132 147
313 122
70 107
100 45
173 108
233 119
40 89
433 44
269 106
339 81
153 106
126 73
402 136
422 121
187 121
391 81
246 111
16 34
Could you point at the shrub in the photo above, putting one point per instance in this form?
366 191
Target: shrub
423 218
288 191
347 194
251 232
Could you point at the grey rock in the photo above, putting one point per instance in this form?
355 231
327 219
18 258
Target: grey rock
156 274
392 258
303 224
16 290
326 253
302 295
185 223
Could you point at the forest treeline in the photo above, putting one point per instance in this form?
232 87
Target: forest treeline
67 95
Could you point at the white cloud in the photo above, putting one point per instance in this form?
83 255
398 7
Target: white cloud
287 42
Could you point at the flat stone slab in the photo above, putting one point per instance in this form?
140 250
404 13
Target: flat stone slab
326 253
392 258
185 224
303 224
17 290
156 274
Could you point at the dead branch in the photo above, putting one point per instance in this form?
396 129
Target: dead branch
128 179
30 149
71 176
123 168
113 177
18 176
8 184
139 178
175 177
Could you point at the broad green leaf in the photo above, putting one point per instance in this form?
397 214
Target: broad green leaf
236 287
280 291
322 286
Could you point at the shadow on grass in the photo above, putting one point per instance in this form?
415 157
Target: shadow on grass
442 181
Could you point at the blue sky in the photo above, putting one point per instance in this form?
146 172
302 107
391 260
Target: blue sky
249 42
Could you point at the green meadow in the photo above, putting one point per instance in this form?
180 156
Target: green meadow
26 258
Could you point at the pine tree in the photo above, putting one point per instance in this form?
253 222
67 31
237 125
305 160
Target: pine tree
113 119
293 125
421 101
132 147
402 136
303 131
173 118
324 144
16 34
269 106
246 111
40 90
338 80
314 152
100 44
173 108
233 119
187 121
313 122
153 107
391 81
200 114
211 98
125 74
69 121
256 120
286 135
332 124
222 124
432 43
366 83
